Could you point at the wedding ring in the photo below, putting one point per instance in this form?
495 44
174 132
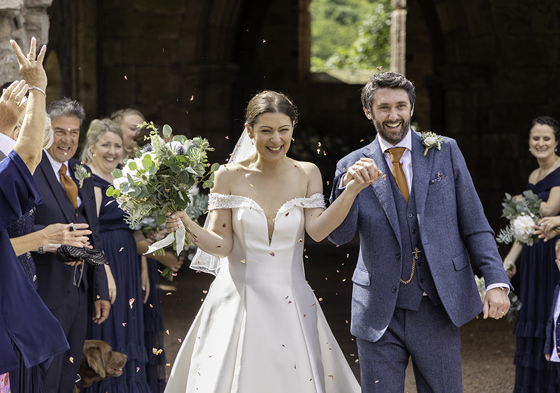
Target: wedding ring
17 102
503 313
72 228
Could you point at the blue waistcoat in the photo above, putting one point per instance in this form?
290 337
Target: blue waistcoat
410 295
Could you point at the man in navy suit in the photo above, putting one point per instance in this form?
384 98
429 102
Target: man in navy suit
64 287
413 283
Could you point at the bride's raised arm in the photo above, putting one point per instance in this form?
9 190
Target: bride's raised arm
218 238
320 223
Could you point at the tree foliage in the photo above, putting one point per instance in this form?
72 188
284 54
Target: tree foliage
350 34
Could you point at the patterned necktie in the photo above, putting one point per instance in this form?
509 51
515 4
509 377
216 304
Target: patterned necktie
398 173
69 185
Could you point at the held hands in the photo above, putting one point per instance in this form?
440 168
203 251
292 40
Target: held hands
496 303
360 175
547 228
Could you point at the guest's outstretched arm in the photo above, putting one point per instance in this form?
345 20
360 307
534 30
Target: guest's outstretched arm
30 141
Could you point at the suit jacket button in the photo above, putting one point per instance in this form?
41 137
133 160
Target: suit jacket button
398 256
394 289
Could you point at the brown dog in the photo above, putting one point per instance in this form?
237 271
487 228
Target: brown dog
99 361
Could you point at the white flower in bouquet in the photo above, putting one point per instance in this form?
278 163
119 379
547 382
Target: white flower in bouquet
522 227
522 212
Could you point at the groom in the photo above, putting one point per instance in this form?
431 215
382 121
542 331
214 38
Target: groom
413 283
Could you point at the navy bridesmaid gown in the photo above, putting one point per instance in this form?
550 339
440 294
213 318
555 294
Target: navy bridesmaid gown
538 276
124 329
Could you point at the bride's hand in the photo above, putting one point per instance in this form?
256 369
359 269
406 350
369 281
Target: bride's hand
173 220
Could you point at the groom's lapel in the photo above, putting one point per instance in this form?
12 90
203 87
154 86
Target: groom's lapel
382 187
421 169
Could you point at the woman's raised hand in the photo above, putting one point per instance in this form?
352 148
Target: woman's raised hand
31 66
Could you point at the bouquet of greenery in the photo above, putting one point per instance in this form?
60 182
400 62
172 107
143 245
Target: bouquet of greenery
522 212
160 179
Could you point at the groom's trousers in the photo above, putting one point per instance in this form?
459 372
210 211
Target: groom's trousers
427 336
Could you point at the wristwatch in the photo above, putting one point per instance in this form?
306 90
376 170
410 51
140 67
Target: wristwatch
40 250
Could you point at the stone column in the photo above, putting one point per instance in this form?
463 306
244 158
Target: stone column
398 36
20 20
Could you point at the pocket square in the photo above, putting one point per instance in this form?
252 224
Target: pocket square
440 176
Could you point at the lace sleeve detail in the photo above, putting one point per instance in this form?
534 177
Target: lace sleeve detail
221 201
314 201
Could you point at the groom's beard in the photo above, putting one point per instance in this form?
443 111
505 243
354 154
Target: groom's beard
389 137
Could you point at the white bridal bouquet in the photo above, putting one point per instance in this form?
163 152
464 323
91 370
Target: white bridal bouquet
522 212
160 179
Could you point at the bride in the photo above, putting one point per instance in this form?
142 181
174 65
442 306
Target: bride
260 328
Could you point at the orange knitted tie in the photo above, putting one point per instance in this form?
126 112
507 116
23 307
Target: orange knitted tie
69 185
398 173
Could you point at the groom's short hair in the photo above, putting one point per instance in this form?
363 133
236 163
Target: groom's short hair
385 79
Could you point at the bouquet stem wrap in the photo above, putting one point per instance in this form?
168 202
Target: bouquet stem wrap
178 235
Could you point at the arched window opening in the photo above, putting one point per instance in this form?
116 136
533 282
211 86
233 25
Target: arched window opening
350 39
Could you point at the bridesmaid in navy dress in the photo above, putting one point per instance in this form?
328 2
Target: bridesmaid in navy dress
124 329
538 274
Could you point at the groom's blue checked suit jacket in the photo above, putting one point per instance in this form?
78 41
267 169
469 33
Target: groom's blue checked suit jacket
451 219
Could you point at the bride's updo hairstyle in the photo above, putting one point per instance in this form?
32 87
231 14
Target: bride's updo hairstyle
96 129
269 101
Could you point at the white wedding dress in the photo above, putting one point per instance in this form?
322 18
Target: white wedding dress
261 329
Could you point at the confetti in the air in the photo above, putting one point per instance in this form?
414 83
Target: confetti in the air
131 302
125 78
137 369
243 260
71 360
167 331
124 324
272 253
157 351
227 137
192 98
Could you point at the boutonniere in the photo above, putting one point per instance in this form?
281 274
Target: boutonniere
431 139
81 174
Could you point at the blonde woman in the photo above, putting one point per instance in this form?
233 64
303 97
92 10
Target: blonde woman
124 329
